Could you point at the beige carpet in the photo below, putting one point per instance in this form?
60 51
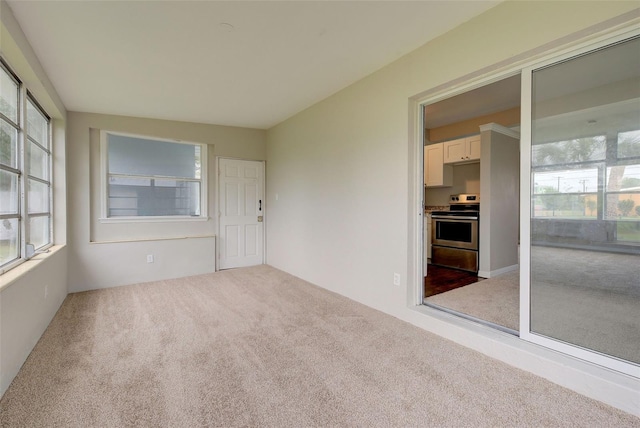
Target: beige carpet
586 298
496 300
258 347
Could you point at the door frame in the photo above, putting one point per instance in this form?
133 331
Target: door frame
617 29
217 213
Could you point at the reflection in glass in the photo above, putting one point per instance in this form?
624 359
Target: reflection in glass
585 206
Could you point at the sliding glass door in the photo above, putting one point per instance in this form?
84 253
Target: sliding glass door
584 206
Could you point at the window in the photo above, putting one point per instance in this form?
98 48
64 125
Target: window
149 177
566 177
25 173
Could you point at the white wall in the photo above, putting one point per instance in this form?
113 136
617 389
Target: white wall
340 169
340 174
500 204
25 308
106 255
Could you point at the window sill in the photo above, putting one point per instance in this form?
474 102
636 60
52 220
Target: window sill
151 219
18 271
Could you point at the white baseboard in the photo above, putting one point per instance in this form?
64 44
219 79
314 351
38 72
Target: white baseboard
491 274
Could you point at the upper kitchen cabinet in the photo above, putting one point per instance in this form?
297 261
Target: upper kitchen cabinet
436 173
462 150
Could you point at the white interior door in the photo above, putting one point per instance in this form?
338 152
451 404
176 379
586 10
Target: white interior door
241 213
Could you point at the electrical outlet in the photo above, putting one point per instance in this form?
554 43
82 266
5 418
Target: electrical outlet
149 258
396 279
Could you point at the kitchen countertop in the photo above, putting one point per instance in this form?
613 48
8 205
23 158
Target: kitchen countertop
430 208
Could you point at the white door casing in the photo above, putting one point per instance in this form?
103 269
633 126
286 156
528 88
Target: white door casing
241 213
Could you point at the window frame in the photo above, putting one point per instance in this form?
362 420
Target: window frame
104 182
24 97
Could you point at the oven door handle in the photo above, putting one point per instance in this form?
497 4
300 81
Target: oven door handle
449 217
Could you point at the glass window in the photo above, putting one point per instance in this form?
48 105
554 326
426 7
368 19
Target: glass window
585 220
629 144
25 172
8 96
150 178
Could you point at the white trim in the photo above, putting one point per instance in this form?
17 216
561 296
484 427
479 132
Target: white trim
525 200
493 273
151 219
120 241
495 127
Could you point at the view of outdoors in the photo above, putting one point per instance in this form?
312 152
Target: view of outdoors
586 178
584 285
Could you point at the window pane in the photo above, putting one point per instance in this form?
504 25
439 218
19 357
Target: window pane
38 197
8 192
146 197
38 162
8 145
9 237
37 125
139 156
566 181
629 144
39 231
571 151
8 96
584 271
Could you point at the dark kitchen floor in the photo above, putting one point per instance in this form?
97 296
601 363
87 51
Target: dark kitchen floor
440 279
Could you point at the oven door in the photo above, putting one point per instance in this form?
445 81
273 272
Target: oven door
455 232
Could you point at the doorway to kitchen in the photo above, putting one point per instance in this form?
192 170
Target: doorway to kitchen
471 204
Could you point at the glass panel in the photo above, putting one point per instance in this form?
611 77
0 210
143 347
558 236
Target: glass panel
585 236
565 193
8 96
39 231
38 197
575 150
629 144
37 125
8 193
9 237
147 157
148 197
8 144
38 162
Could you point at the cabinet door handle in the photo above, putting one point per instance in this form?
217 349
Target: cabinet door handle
259 204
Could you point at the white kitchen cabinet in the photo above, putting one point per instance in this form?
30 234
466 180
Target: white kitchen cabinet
462 150
436 173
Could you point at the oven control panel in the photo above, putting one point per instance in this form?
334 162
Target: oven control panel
464 198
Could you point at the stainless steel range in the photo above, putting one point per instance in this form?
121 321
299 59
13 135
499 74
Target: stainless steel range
454 236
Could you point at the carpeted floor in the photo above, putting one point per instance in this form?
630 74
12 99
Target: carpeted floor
587 298
496 300
258 347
